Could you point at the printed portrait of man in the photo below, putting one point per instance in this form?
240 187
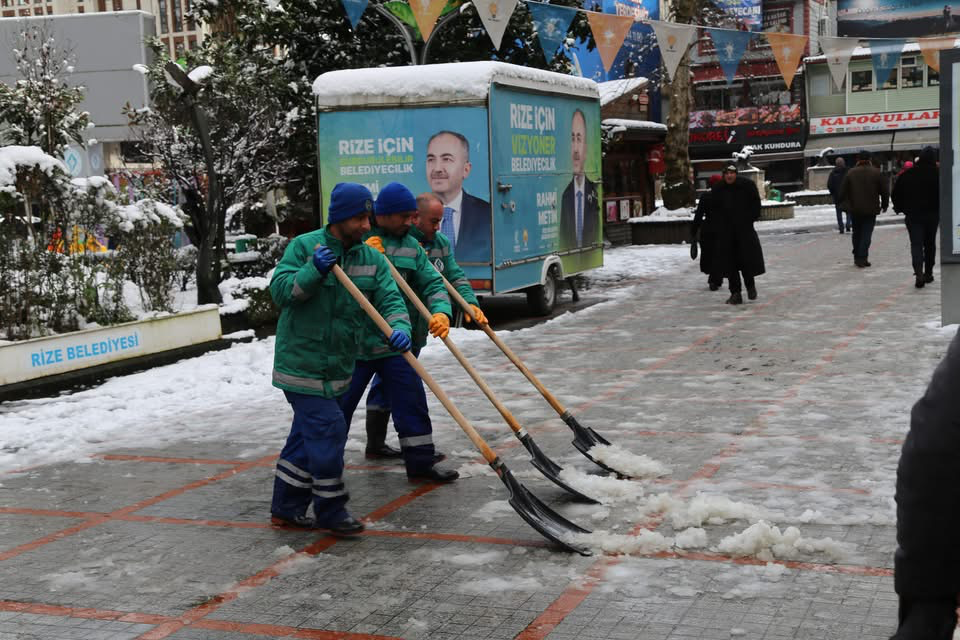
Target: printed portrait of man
580 205
466 218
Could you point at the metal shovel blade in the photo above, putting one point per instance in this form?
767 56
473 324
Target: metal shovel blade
549 523
550 469
585 438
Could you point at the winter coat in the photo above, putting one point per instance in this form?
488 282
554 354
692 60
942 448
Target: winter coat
703 222
917 192
864 191
927 561
440 253
409 258
735 207
320 325
835 181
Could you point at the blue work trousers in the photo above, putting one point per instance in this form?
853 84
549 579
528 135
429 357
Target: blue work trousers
400 391
311 463
862 235
377 395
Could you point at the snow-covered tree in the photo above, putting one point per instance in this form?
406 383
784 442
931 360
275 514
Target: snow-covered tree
41 107
250 123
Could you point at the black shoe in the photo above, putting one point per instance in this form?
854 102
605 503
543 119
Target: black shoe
919 282
841 229
439 457
713 286
735 298
292 522
928 277
860 263
752 293
866 262
928 621
349 526
433 474
849 227
381 452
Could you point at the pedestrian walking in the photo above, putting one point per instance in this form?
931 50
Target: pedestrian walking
927 562
735 205
917 194
834 182
316 345
402 389
703 229
439 251
864 194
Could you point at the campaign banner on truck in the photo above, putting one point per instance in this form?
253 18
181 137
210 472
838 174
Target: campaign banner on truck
895 18
546 154
875 122
768 129
440 150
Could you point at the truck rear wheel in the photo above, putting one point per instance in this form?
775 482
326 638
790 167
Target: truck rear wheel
542 298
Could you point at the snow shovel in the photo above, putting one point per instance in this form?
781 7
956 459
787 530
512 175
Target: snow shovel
545 465
550 524
584 438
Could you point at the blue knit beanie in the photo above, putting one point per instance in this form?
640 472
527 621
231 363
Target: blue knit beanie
395 198
347 200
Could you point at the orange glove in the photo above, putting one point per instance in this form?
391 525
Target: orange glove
476 315
439 325
376 243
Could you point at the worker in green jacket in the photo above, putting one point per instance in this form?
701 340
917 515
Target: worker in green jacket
318 340
395 210
426 229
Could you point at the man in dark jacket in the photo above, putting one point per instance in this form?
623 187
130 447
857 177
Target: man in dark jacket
703 226
834 182
927 563
917 194
735 205
864 193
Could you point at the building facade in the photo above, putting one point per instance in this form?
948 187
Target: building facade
894 118
173 23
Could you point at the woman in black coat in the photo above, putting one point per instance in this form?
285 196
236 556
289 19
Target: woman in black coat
703 231
735 206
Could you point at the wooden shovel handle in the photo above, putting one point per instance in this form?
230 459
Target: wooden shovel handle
455 350
507 351
384 326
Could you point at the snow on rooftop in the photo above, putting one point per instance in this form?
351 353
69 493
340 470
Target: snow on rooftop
613 89
863 52
617 125
450 82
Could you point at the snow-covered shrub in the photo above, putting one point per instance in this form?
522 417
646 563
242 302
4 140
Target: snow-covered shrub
146 251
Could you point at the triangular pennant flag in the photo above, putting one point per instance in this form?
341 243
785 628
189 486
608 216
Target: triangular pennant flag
609 31
354 9
673 40
551 22
886 56
426 12
495 15
930 47
838 52
787 51
730 46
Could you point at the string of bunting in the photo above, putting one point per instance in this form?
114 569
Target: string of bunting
552 22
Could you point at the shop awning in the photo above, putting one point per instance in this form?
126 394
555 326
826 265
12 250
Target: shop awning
910 139
851 143
757 157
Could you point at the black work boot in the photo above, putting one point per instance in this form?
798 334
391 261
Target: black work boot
919 282
752 293
927 620
735 298
433 474
377 448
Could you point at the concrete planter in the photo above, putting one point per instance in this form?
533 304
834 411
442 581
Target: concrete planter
811 199
660 231
71 356
780 211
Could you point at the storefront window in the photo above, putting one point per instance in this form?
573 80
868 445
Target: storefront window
911 73
861 81
891 82
933 77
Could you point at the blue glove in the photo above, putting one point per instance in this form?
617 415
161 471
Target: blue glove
324 259
399 341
